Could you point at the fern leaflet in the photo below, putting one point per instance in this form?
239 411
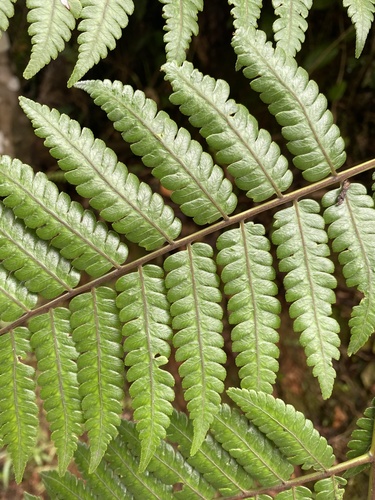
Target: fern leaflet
97 336
361 13
246 13
18 409
296 103
103 481
89 164
193 291
15 298
68 487
169 466
291 25
215 464
248 276
330 488
178 161
295 493
145 312
60 221
140 485
360 442
291 432
39 266
51 25
101 26
303 250
6 12
181 23
252 157
57 357
250 448
351 226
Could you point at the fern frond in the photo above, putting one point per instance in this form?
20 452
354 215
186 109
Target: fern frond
57 357
181 23
211 460
361 437
103 481
291 432
361 13
6 12
246 13
169 466
139 484
198 184
330 488
101 26
295 101
257 454
18 409
252 157
56 218
303 253
249 281
290 27
145 312
39 266
119 196
51 25
193 291
351 226
97 337
68 487
15 298
295 493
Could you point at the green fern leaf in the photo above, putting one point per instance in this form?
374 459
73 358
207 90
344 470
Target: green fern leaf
145 312
297 493
68 487
250 448
101 26
103 481
32 260
15 298
248 276
330 488
291 432
361 12
51 25
6 12
198 184
18 410
360 442
214 463
252 157
181 17
56 357
291 24
193 291
169 466
117 194
97 336
296 103
352 230
245 13
303 250
139 484
56 218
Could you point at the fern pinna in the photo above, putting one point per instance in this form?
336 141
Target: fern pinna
104 328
